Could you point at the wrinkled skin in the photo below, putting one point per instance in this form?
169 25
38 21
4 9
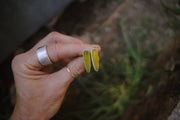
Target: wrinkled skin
39 90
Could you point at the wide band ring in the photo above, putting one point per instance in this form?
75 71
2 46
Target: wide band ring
42 56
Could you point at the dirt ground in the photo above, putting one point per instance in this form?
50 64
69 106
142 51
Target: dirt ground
98 22
102 26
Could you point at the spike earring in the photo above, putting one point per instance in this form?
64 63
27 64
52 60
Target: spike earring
95 59
87 60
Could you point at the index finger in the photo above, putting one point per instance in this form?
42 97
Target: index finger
57 52
55 37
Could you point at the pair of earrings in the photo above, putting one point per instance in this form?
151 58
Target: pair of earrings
91 57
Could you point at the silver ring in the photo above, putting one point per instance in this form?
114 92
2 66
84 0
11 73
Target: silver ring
43 56
69 71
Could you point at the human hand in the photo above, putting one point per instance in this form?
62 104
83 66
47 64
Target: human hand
39 90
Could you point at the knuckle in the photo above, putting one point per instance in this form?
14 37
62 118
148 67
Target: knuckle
54 34
16 61
56 51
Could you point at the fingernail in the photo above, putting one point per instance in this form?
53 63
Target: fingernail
95 46
95 59
87 60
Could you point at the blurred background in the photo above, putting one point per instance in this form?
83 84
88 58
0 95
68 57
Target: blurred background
139 76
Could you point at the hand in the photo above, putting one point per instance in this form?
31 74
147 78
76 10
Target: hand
39 90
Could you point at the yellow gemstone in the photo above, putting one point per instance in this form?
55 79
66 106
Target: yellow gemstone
87 60
95 59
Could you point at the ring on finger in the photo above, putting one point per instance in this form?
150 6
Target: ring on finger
43 57
69 71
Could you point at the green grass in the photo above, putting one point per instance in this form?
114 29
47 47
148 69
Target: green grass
174 9
105 95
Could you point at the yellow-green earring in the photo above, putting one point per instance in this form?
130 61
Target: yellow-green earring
87 60
95 59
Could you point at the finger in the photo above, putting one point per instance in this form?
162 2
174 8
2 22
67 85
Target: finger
55 37
61 51
57 52
76 67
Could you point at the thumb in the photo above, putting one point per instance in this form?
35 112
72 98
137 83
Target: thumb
67 74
